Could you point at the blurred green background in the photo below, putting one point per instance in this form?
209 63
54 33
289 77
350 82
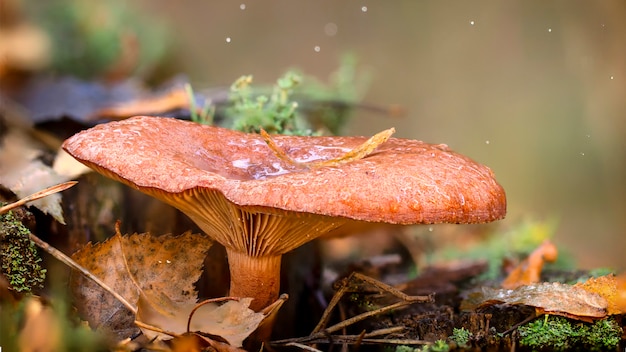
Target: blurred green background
533 89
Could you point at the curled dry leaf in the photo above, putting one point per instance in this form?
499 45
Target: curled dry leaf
232 321
33 177
129 264
175 98
529 270
612 288
548 297
24 174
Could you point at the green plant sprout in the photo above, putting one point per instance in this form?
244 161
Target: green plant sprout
275 113
438 346
19 260
293 106
555 333
461 337
204 116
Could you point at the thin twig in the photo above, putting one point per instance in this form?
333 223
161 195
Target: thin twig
37 195
310 338
331 305
207 301
302 346
349 339
155 329
363 316
390 289
276 305
72 264
380 285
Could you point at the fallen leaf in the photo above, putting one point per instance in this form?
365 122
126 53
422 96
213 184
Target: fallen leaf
357 153
89 102
30 178
130 264
23 173
233 321
50 99
529 270
174 99
548 297
612 288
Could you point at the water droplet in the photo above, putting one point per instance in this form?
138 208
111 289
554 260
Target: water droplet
588 136
317 48
430 228
582 153
242 6
227 39
549 30
330 29
364 8
472 23
611 77
487 142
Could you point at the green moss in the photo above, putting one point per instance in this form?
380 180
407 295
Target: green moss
275 113
438 346
404 348
561 334
19 260
461 336
293 106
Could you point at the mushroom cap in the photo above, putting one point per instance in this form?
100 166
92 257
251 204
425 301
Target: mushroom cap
402 182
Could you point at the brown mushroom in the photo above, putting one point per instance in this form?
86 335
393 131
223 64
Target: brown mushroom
259 206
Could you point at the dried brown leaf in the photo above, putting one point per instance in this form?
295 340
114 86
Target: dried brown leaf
232 321
357 153
128 264
24 174
176 98
548 297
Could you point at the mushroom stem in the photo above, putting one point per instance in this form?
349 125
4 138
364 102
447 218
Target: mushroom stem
255 277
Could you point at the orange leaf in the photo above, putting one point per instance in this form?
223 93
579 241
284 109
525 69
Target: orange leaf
529 271
176 98
612 288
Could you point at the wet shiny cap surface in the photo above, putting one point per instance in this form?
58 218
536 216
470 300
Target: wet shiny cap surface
402 181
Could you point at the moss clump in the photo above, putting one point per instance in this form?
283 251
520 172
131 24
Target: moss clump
275 113
461 337
19 260
561 334
438 346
